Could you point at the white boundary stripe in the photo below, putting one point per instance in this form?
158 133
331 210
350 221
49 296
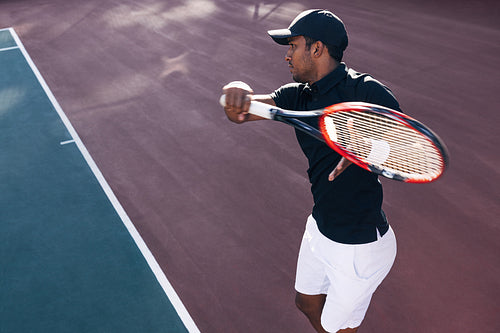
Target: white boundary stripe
153 264
9 48
66 142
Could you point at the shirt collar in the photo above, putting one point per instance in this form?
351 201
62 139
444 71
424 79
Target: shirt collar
329 81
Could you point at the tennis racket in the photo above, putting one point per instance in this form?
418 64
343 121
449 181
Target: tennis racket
376 138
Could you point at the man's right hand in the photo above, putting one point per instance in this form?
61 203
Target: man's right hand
238 97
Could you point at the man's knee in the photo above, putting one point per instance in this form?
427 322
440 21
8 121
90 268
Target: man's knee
310 303
348 330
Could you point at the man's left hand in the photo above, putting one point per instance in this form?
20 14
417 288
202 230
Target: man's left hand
341 166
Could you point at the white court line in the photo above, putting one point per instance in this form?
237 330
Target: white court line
9 48
153 264
66 142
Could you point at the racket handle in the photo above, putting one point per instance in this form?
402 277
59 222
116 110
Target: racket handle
256 108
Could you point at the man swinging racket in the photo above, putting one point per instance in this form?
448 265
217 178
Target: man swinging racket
348 246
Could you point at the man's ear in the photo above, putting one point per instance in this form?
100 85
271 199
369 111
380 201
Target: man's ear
318 48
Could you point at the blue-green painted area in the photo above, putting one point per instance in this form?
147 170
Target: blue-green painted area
67 262
6 39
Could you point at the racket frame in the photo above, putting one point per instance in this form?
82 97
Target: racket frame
400 118
292 118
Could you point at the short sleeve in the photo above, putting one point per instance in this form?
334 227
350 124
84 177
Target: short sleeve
377 93
287 96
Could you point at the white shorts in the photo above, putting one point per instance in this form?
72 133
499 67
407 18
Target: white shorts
347 274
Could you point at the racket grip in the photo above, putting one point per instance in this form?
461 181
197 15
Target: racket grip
256 108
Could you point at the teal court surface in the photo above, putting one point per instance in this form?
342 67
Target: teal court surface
70 258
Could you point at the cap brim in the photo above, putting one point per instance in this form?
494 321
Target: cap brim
281 36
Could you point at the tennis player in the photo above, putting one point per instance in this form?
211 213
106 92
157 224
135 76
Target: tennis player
348 246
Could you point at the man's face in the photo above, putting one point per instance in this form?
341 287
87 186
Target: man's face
299 60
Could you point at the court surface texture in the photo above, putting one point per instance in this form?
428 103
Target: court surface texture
70 256
129 203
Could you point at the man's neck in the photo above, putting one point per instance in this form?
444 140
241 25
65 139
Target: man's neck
325 68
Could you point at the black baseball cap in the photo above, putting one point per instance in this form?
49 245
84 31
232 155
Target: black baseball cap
318 24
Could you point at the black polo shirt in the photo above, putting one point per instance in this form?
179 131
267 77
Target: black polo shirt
349 209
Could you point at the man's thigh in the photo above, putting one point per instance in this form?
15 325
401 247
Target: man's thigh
348 274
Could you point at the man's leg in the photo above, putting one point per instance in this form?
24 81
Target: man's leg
311 306
312 283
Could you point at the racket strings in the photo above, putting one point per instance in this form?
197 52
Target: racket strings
384 143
